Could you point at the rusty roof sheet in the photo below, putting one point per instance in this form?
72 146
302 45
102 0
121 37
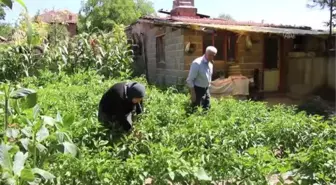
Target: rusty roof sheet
235 26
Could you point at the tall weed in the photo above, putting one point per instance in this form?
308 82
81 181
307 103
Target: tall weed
107 53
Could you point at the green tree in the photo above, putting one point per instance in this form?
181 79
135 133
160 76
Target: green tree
331 6
226 16
2 11
103 14
5 30
29 31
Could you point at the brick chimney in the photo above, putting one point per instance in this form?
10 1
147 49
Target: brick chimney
184 8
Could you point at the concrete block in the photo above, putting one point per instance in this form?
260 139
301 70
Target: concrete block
175 53
179 39
182 66
178 73
180 46
166 41
170 65
169 53
180 53
152 62
172 47
181 80
173 60
167 47
177 66
179 59
171 79
177 32
152 68
151 54
168 59
159 79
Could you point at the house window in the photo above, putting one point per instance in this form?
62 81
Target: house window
231 47
225 44
160 54
219 43
298 44
271 54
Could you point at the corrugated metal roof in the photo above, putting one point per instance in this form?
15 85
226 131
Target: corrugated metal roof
221 24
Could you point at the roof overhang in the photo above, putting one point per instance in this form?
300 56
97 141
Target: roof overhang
235 28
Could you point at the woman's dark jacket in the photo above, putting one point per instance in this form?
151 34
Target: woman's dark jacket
116 104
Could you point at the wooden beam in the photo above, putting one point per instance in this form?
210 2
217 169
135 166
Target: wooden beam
282 66
236 50
164 12
225 47
159 35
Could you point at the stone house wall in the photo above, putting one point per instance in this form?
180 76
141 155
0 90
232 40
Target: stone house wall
169 71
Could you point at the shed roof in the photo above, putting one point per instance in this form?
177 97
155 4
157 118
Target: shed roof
234 26
58 16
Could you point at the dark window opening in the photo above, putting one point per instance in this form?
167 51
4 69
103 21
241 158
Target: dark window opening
160 54
271 53
231 48
219 41
298 43
222 41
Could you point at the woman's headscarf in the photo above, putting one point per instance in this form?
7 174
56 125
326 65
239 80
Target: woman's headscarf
135 90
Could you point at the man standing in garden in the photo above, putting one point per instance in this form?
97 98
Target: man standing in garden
199 78
118 105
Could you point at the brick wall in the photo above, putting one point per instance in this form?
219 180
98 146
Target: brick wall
249 59
196 38
72 29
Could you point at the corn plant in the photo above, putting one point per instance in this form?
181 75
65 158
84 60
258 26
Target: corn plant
30 140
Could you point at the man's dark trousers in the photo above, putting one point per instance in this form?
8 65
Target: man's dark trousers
202 97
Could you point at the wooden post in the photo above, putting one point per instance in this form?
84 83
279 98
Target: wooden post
331 6
225 47
282 72
213 38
